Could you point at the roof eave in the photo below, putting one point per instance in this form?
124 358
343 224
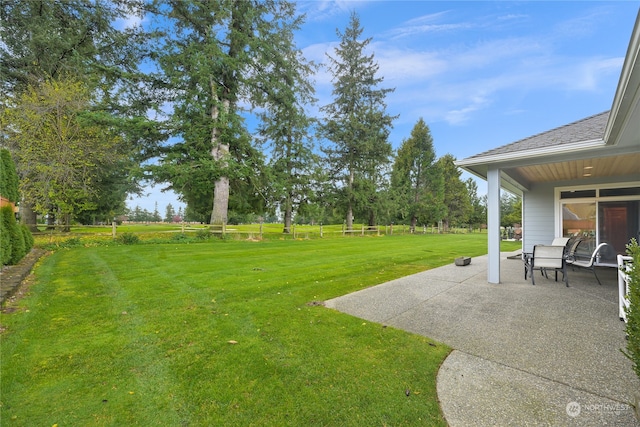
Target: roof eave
625 97
531 154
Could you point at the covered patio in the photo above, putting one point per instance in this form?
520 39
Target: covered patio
578 180
523 353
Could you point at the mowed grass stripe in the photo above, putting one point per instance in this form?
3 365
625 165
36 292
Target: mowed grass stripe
139 335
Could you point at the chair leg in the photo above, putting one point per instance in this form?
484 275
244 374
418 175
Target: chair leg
595 274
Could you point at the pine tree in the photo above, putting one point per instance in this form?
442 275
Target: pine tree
285 125
169 213
357 125
49 41
214 56
416 180
456 195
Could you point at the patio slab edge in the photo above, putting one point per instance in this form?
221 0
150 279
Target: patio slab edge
478 392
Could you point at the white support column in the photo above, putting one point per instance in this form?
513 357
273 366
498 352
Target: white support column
493 225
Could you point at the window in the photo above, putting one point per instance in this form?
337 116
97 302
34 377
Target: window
597 215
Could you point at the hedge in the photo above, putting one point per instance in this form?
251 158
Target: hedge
633 311
15 240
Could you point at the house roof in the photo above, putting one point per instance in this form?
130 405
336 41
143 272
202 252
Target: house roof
589 129
600 147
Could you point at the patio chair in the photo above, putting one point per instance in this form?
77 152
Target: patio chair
589 264
558 241
547 258
572 248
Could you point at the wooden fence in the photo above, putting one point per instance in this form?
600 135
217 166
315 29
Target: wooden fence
175 231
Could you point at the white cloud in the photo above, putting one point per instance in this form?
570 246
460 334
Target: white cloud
326 9
459 77
132 20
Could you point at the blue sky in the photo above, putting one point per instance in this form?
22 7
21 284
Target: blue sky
481 74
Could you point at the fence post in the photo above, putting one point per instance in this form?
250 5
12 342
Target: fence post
113 229
362 229
391 229
321 230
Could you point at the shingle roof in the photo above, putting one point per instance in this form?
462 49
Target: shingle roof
588 129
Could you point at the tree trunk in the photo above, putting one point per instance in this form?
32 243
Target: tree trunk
372 219
219 152
288 214
66 220
349 217
414 221
288 203
28 216
220 201
350 196
51 220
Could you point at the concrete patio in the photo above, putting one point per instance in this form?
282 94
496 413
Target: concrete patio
523 354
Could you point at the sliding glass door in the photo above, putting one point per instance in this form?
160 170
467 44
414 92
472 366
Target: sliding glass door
601 215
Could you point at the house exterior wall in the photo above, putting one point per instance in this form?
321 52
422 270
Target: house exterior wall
540 209
538 216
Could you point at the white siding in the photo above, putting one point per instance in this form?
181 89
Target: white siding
539 216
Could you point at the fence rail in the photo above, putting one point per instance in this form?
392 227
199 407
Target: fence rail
51 234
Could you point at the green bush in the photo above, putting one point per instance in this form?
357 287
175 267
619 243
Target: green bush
633 312
14 234
8 177
71 242
181 237
28 238
128 239
203 234
5 242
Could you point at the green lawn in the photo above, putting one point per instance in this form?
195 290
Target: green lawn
221 333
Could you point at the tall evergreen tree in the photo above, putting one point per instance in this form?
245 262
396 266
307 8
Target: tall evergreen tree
478 214
214 56
416 181
356 124
48 41
169 213
285 125
456 196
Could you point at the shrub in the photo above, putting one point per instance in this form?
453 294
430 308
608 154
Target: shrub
203 234
9 180
14 234
180 237
129 239
28 238
5 242
633 312
71 242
